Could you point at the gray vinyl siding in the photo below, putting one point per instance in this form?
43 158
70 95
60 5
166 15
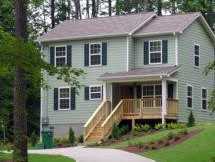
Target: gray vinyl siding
189 74
116 61
138 49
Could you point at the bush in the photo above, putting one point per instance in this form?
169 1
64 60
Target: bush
184 131
62 142
116 132
81 139
142 128
124 130
212 159
170 135
191 120
175 126
159 126
34 139
71 136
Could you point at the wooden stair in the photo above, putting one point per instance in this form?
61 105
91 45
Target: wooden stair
96 134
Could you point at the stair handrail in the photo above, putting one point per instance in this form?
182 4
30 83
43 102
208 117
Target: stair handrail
95 117
111 115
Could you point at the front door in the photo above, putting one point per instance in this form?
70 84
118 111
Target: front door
170 90
126 92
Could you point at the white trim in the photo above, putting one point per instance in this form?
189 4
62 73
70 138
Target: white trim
60 56
206 99
195 44
177 86
176 49
95 99
97 54
164 99
104 91
59 98
154 90
161 52
41 112
127 55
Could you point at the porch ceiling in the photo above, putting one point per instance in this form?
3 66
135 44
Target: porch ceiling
148 71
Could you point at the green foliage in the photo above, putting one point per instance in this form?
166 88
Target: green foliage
34 139
211 103
115 131
124 130
175 126
71 136
191 120
184 131
142 128
81 139
170 135
159 126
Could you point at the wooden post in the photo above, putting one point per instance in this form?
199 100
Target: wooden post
133 124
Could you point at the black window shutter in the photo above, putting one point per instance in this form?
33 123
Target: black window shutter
86 55
55 99
104 53
165 51
146 52
86 93
69 55
52 55
73 94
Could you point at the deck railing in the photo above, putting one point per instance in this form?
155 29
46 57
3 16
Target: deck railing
101 112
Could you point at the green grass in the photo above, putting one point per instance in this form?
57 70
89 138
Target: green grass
40 158
200 148
144 139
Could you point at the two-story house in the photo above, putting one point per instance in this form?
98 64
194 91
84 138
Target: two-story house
138 67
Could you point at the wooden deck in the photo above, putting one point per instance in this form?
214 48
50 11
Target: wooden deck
100 124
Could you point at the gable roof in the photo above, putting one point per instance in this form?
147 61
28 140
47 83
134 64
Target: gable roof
168 24
97 27
142 24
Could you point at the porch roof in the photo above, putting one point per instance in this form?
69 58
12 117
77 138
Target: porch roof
147 71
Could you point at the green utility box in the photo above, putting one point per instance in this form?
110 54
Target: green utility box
47 139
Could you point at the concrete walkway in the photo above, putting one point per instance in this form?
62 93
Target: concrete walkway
82 154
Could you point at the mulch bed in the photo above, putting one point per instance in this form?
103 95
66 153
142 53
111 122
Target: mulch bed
177 139
6 160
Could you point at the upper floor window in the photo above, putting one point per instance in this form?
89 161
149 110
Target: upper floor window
64 99
204 98
196 54
60 56
95 57
155 52
95 92
189 96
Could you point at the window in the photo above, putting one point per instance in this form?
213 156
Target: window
95 92
152 91
60 56
204 99
95 54
189 96
155 52
64 99
196 55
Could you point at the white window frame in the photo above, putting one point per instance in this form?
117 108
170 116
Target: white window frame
94 99
206 99
59 98
60 56
196 55
154 90
97 54
151 41
188 85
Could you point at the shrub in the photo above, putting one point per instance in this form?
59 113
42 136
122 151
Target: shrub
81 139
146 127
159 126
184 131
160 141
212 159
115 132
71 136
191 120
34 139
124 130
170 135
175 126
142 128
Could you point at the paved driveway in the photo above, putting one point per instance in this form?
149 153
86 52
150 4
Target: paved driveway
81 154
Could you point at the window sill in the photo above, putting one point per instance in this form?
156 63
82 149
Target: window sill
63 110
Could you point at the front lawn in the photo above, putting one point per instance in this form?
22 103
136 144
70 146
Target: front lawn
200 148
40 158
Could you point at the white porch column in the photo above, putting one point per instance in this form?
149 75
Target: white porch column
164 99
104 91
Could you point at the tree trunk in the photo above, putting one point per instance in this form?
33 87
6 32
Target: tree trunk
52 13
77 9
173 7
94 8
20 119
69 9
88 9
110 7
159 7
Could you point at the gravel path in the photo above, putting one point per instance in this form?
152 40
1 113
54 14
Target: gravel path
82 154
